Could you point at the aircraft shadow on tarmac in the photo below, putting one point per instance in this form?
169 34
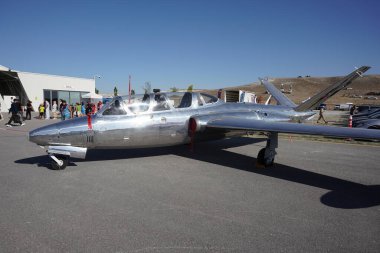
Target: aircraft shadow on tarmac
343 194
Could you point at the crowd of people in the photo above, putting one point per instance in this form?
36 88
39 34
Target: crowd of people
62 110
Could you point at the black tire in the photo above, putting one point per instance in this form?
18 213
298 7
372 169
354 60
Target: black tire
64 159
261 161
260 157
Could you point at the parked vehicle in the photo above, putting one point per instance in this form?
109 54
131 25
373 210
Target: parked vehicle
323 106
343 107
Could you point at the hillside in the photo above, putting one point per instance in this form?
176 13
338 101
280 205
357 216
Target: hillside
308 86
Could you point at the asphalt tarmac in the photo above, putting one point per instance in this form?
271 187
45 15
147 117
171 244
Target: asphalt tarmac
320 197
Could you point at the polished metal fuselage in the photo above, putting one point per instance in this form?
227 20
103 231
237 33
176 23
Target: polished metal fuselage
154 128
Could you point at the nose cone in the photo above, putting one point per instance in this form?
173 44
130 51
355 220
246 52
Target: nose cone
44 135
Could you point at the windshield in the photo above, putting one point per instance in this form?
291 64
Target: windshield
138 103
176 100
180 99
134 104
160 103
116 107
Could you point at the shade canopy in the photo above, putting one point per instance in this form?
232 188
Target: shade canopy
92 95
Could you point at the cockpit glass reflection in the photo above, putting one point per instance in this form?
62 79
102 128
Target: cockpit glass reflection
180 99
138 103
208 99
117 107
160 103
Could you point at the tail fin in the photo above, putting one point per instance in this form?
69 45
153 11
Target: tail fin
331 90
277 94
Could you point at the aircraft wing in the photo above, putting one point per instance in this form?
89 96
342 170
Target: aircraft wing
292 128
277 94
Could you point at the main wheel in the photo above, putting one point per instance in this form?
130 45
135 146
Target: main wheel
262 161
63 159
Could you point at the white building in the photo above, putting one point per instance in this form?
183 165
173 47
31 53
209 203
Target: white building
39 87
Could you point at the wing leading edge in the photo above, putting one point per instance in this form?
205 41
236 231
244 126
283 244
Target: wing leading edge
293 128
331 90
318 98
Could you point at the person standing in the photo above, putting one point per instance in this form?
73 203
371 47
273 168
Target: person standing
77 109
83 109
88 109
67 111
47 110
12 110
321 117
220 93
72 111
41 110
61 105
100 105
93 108
62 108
352 110
29 109
54 109
20 112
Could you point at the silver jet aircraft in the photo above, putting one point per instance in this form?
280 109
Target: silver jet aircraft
165 119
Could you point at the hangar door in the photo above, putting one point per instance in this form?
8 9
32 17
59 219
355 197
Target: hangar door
11 85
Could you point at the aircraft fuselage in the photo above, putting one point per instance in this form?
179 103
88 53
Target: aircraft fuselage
152 128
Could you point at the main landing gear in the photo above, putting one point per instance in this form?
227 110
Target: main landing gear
59 161
265 158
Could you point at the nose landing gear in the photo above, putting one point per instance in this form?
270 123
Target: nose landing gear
59 161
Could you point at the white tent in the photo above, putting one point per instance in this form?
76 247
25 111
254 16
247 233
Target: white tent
92 97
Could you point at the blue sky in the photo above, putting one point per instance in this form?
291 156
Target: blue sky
210 44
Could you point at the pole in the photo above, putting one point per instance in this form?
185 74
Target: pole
129 89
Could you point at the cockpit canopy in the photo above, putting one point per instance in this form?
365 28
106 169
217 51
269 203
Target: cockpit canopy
156 102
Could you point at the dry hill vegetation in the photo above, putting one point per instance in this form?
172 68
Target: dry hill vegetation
305 87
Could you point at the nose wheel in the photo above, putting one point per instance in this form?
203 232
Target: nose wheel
59 161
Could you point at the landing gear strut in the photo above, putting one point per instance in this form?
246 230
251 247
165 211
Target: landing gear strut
59 161
265 158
